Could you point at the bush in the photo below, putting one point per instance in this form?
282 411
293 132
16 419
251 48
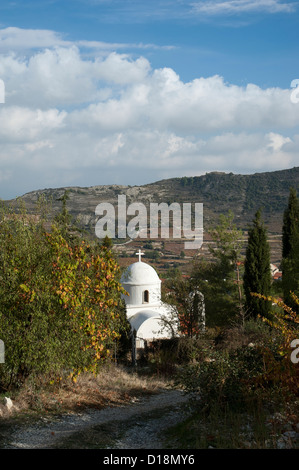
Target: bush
223 379
59 301
254 331
249 366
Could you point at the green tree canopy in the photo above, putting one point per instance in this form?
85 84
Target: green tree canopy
290 250
189 311
290 229
257 274
59 301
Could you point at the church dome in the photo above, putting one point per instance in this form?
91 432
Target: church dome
140 273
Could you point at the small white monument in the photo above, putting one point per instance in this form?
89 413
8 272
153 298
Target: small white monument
145 310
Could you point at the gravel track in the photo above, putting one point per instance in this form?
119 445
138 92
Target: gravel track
134 426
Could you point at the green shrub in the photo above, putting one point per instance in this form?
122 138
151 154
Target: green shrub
59 301
224 378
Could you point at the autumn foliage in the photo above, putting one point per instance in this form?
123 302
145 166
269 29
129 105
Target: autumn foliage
60 304
278 367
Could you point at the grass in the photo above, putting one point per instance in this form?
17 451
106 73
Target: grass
113 385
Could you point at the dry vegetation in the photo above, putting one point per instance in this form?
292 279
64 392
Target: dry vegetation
113 386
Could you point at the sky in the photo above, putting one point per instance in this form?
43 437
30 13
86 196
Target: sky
129 92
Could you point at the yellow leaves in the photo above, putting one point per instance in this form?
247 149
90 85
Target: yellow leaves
56 380
86 285
278 366
31 294
74 377
24 288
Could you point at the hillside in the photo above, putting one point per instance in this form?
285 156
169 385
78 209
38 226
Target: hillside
219 192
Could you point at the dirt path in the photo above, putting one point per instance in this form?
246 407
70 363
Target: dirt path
135 426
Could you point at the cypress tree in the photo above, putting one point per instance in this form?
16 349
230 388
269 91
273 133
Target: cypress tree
290 250
257 274
290 229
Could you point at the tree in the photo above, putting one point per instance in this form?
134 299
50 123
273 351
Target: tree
290 250
290 229
59 301
279 365
257 274
188 303
229 242
107 243
220 279
63 219
220 304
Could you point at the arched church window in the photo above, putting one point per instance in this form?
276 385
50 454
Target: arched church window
146 297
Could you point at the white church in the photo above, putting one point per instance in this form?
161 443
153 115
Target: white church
145 310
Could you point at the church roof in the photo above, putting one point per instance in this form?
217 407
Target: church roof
140 273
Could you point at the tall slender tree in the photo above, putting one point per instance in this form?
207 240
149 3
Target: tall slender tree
257 274
290 250
229 241
290 229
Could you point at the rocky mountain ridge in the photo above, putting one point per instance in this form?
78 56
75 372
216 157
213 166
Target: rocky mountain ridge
219 192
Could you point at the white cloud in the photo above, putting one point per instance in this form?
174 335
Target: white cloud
277 141
233 7
13 38
207 105
18 39
26 125
61 76
113 119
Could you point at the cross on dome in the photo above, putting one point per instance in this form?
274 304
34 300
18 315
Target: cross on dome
139 253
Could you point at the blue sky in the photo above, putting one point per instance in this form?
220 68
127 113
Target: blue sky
130 91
